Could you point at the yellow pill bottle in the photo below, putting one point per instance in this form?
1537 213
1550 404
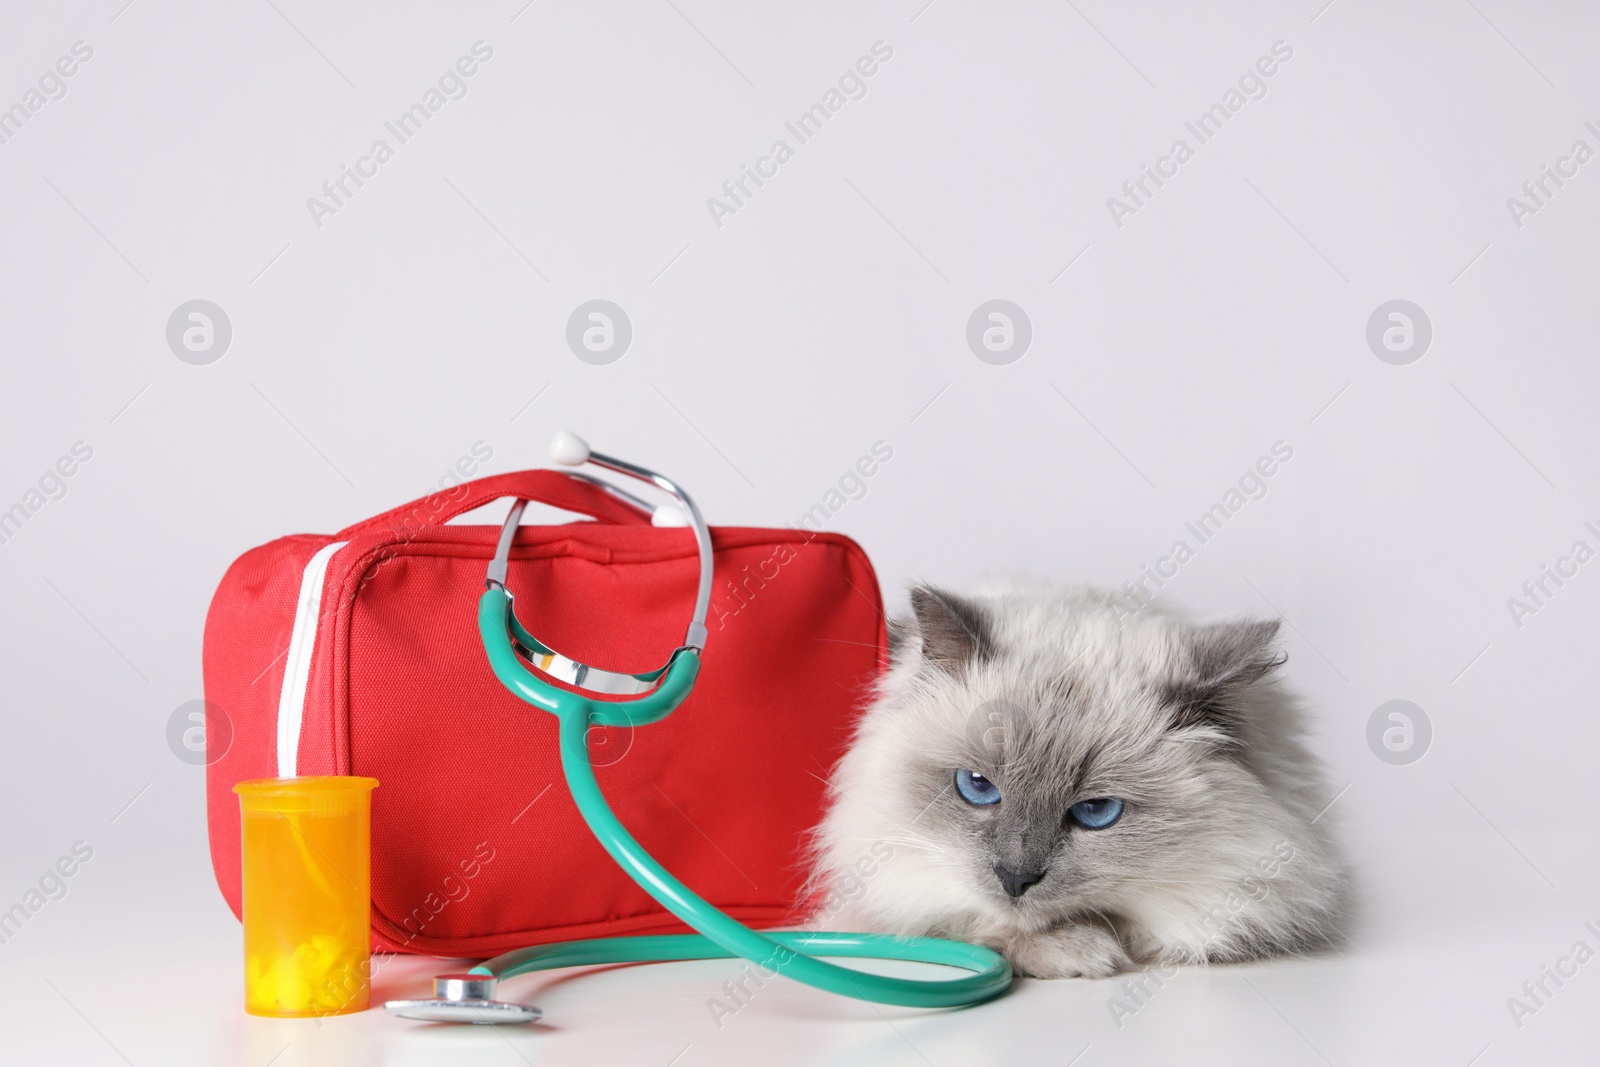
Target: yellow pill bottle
307 846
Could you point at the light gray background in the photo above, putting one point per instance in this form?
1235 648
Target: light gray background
429 313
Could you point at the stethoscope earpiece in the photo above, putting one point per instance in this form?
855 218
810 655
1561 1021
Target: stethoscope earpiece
669 514
568 449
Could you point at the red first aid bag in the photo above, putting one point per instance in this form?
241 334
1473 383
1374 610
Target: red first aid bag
359 654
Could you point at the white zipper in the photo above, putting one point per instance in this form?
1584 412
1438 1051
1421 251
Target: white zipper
297 668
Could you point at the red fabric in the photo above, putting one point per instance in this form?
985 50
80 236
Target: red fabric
477 846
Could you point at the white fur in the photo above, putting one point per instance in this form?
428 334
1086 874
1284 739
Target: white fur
1216 857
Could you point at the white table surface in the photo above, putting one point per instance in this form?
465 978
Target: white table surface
1450 930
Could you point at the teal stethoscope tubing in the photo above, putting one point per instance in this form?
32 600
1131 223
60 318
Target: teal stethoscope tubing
793 954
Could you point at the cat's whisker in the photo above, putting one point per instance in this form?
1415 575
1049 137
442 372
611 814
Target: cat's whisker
842 641
912 842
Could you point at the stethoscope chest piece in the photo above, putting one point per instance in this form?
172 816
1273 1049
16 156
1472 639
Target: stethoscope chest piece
464 998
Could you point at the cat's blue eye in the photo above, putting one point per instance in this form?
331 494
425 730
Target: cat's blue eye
1096 814
976 789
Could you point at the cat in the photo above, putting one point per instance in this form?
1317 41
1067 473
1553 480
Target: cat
1081 788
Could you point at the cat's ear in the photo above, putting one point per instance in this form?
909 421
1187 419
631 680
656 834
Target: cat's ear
952 631
1218 662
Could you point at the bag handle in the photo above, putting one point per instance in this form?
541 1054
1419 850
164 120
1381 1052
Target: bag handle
555 488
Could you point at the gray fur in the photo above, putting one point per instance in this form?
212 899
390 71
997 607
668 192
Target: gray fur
1059 695
951 631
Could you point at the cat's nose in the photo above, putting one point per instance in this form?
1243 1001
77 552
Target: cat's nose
1017 882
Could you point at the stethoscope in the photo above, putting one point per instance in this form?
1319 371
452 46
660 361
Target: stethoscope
526 666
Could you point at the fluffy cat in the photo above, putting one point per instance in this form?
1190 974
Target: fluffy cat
1013 723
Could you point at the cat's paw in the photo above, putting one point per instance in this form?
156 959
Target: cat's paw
1067 951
